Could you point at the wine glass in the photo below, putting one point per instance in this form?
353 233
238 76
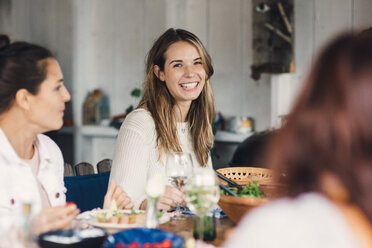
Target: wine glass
202 193
178 170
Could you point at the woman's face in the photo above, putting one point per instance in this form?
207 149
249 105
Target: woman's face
47 106
183 73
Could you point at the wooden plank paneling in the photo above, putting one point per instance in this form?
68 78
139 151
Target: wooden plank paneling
331 18
224 47
362 17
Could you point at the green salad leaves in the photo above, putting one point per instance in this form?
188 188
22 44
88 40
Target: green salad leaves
250 190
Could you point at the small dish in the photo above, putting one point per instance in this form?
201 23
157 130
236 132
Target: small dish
73 238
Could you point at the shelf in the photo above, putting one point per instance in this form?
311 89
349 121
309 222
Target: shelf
98 131
102 131
230 137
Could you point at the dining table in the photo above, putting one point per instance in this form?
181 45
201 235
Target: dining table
185 228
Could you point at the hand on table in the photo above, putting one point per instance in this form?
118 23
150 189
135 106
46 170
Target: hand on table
115 192
54 218
171 197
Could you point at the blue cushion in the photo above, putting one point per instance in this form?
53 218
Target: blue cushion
87 191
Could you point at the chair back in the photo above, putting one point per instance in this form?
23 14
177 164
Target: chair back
87 191
104 165
84 168
68 170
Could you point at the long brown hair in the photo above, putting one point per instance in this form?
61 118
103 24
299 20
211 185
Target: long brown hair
330 126
159 102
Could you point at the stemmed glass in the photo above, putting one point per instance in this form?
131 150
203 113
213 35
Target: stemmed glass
202 194
179 169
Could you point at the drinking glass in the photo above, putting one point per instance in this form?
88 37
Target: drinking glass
202 194
179 170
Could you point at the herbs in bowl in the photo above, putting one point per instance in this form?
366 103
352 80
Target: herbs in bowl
250 190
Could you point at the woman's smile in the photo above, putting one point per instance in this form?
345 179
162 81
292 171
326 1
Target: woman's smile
183 73
189 85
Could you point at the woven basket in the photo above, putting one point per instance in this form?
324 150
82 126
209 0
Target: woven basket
245 175
235 207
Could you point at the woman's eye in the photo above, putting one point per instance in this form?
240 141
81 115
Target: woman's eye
58 88
198 63
177 65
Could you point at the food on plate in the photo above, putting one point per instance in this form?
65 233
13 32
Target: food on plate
250 190
113 215
121 217
113 206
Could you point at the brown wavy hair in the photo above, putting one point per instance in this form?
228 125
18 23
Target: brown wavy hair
159 102
329 129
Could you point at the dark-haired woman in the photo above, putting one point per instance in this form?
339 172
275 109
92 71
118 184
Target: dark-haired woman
32 101
174 115
325 149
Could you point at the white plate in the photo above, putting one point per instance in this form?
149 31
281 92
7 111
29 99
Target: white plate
90 218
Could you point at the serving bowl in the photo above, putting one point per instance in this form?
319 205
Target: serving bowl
73 238
235 207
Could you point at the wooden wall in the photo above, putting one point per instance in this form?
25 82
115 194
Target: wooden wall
104 43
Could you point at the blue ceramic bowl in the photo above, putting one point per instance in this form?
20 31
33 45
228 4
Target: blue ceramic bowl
142 236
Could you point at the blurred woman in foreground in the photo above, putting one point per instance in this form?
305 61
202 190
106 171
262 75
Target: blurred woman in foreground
32 101
325 150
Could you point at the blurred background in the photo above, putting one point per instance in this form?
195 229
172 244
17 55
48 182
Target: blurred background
103 44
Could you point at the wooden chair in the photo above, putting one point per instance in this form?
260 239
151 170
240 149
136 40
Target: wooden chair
68 170
104 165
84 168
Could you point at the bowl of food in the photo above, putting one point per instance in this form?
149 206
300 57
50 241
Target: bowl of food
144 237
73 238
258 186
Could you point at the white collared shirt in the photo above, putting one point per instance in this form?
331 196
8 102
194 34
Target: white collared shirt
18 184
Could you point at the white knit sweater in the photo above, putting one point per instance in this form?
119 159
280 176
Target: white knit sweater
136 153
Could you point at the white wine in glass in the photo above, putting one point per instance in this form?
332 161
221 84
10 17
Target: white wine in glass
202 193
178 181
178 169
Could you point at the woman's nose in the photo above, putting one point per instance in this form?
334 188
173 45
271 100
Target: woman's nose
66 95
189 72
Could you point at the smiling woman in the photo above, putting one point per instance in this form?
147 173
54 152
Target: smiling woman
175 114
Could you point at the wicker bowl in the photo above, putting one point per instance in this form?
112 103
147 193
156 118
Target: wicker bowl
235 207
245 175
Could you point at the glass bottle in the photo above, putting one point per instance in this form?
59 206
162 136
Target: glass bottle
209 223
27 239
